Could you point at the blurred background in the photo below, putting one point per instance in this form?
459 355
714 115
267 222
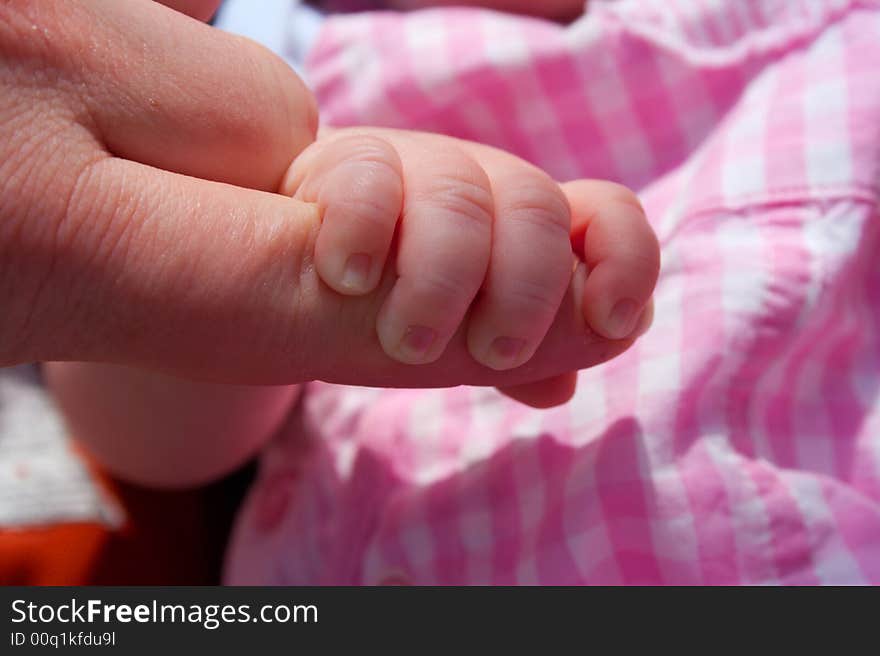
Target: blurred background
64 522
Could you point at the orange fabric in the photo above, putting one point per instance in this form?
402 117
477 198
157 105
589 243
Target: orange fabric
55 555
171 538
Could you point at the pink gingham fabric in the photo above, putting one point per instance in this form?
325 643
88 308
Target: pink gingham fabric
739 441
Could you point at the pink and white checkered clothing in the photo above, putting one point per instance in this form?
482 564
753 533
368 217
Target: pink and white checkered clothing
739 440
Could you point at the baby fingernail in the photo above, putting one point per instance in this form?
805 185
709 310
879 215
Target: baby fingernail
504 352
356 276
416 342
621 321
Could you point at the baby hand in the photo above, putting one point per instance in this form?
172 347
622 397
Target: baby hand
481 236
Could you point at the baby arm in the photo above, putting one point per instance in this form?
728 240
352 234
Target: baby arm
153 429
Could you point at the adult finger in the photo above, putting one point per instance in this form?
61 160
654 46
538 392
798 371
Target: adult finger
158 88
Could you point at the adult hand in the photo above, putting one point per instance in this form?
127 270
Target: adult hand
134 142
